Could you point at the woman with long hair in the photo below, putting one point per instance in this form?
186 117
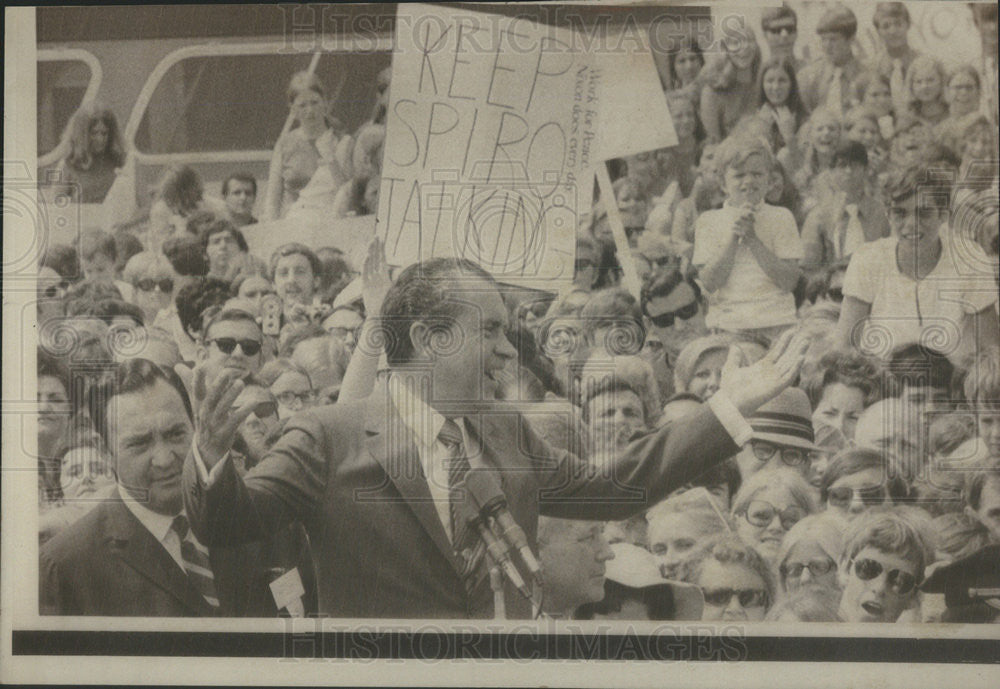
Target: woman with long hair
781 105
96 151
301 151
732 77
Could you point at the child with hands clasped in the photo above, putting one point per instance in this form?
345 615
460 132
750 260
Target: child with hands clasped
747 251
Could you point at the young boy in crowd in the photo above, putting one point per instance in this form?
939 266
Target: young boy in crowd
781 26
827 81
747 251
982 391
892 23
849 213
98 257
885 553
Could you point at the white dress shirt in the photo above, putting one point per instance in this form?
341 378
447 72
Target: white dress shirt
161 526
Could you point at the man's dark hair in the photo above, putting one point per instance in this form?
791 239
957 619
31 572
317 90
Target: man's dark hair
131 375
903 182
916 364
292 249
769 17
227 315
890 10
63 259
127 245
223 225
245 177
193 299
95 241
107 310
89 291
422 291
727 472
186 255
53 367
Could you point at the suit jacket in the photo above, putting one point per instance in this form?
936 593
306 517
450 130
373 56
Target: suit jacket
351 474
108 563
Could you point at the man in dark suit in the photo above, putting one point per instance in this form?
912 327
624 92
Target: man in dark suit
374 481
135 554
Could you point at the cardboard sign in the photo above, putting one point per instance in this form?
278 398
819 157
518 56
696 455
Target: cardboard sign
492 120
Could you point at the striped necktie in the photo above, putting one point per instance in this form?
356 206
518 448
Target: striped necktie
458 467
196 562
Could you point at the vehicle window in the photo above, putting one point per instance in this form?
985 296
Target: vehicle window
62 86
239 102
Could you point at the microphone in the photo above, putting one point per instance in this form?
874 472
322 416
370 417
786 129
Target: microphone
487 493
496 551
471 517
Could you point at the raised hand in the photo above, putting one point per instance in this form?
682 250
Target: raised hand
375 280
216 423
748 387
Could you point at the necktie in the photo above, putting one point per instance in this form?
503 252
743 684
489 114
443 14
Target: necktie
458 467
196 562
834 97
897 85
854 235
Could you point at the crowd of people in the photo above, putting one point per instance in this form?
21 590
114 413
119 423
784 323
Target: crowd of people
806 388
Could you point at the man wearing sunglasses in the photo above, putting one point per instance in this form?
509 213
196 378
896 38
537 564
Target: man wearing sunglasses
232 340
781 28
885 553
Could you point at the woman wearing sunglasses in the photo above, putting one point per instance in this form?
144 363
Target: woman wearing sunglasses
735 580
809 553
153 278
769 504
885 553
856 481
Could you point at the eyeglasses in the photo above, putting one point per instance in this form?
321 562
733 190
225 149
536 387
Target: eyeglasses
289 397
748 598
147 285
792 456
227 345
900 582
761 513
870 495
342 333
785 30
816 568
257 294
264 410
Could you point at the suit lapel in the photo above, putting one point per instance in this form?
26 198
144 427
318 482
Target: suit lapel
138 549
391 445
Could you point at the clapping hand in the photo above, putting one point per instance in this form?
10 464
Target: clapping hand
216 422
743 228
748 387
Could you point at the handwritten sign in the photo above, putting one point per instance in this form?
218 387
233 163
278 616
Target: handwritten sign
491 123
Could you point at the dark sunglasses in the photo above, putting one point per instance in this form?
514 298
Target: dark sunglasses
870 495
900 582
761 513
749 598
148 284
835 294
792 456
53 291
227 345
815 567
264 410
665 320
